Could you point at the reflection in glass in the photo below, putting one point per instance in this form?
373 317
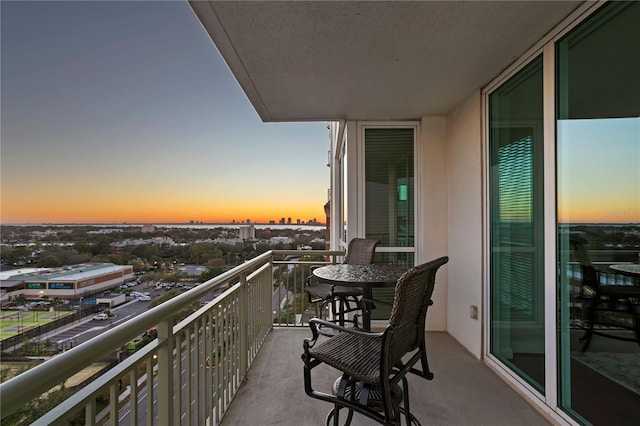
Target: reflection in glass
389 204
598 202
342 167
517 246
389 198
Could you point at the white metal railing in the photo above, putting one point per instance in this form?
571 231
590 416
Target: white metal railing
190 373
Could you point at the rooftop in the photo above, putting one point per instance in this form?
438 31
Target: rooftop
73 272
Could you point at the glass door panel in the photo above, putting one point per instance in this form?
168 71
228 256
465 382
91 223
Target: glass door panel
516 229
598 229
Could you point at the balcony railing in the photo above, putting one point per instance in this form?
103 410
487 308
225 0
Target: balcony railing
191 372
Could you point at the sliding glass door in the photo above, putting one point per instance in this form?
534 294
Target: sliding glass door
517 227
598 218
582 354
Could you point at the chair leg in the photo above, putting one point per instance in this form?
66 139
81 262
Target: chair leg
426 372
635 320
340 313
591 318
335 415
409 418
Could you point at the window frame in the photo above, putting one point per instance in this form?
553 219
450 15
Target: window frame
361 190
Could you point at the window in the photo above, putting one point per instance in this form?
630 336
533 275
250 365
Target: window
389 198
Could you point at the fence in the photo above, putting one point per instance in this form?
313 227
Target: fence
11 343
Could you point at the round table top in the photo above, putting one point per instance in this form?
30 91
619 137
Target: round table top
629 268
374 275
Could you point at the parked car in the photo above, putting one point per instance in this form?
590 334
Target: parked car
101 316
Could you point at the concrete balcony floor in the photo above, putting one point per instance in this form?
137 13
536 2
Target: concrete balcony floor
463 392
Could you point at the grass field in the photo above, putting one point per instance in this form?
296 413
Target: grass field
15 322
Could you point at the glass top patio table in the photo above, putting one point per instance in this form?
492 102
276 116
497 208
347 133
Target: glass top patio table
628 268
363 276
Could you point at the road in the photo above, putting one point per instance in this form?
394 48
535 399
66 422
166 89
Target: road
87 329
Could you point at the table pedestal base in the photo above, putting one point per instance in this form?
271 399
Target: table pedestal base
364 395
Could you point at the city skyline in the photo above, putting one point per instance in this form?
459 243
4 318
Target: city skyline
125 112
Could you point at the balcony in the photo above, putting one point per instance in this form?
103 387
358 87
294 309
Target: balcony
242 347
463 392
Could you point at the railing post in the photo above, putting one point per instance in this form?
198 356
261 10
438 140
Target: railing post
267 319
90 412
244 326
165 373
133 396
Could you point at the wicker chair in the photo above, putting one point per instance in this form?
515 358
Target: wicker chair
342 299
605 305
372 364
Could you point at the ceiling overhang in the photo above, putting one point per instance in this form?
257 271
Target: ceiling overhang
308 60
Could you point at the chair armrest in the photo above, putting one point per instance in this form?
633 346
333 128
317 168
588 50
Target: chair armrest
310 276
314 323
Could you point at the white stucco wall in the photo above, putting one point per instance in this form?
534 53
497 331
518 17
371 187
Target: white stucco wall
464 231
431 235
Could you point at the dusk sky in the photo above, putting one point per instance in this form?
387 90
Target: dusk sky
599 170
125 112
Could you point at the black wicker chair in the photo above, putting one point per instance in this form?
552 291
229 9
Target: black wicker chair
372 364
605 305
342 299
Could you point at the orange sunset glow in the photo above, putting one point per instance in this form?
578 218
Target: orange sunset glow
157 132
154 208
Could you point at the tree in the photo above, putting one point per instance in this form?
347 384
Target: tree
49 262
103 246
216 263
82 247
15 256
74 259
211 272
138 265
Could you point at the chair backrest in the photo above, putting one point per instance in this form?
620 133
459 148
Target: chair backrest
361 251
412 299
590 276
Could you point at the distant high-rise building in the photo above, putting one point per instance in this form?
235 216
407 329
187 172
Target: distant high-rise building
247 233
288 221
148 228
